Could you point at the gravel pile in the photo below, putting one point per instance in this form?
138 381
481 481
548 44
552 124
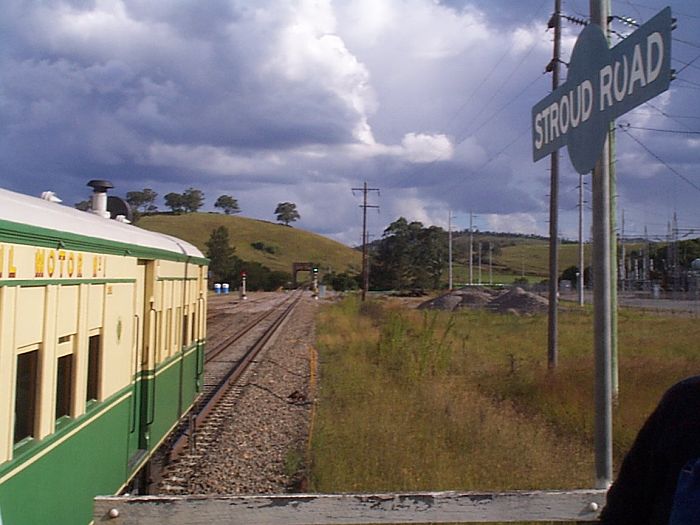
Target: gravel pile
464 298
515 300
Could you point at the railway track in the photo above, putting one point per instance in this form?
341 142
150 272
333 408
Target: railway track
227 366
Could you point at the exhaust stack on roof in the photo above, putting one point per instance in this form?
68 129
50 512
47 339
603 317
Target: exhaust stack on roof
99 197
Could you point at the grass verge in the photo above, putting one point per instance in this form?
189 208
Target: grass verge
413 400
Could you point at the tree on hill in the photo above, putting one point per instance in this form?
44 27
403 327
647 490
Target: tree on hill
190 201
175 201
222 258
228 204
193 199
142 201
287 212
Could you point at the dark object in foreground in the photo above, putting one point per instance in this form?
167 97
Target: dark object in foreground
644 490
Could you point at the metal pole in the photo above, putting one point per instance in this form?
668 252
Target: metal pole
490 263
552 335
479 252
613 264
601 297
581 261
471 249
365 276
449 243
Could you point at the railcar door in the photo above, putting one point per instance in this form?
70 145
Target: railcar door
141 364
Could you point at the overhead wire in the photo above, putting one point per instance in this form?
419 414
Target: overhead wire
662 161
441 156
662 112
634 6
677 131
687 65
502 86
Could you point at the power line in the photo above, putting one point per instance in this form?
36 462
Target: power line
634 6
689 64
685 81
683 177
674 118
678 131
500 88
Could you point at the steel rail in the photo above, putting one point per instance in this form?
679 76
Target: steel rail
230 379
212 353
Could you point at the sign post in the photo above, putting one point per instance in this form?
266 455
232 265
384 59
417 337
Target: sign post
601 85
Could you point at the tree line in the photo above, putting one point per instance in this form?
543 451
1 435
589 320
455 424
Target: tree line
143 202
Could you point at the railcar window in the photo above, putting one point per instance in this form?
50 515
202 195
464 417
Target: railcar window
185 326
168 332
93 381
194 325
26 396
64 386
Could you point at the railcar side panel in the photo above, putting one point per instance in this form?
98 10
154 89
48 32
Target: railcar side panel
7 332
84 458
101 351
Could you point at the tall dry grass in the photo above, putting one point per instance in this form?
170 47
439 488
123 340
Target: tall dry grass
416 401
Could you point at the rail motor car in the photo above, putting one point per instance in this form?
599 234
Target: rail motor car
102 333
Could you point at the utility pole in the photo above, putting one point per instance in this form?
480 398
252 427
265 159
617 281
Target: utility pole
646 274
623 262
581 262
490 263
602 296
552 346
449 249
479 252
365 263
676 254
471 247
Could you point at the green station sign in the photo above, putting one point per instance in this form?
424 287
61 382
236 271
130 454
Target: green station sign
601 85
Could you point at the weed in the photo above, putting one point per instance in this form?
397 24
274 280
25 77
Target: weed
428 401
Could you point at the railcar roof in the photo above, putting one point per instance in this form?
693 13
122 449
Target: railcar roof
32 211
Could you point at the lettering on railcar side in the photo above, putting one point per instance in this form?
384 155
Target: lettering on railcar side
7 260
60 264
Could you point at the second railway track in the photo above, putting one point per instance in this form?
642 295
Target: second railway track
227 364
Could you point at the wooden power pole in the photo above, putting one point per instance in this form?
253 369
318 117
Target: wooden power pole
365 263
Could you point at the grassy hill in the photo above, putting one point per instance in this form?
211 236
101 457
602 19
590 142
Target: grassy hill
278 246
514 256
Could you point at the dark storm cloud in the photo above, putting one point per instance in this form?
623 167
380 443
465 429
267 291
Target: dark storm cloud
77 101
303 100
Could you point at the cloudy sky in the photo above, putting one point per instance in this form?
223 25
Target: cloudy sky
303 100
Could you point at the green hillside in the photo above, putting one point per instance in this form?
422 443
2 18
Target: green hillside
514 256
278 246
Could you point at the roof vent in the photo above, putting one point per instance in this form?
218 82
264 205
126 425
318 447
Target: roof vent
99 197
50 196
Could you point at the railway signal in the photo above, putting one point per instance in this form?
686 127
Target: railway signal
243 279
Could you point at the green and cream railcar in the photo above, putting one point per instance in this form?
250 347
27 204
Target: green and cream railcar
102 332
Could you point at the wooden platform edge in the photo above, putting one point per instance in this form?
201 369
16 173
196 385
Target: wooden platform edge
352 509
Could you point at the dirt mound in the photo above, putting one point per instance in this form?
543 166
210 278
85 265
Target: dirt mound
519 301
514 301
473 297
462 298
444 302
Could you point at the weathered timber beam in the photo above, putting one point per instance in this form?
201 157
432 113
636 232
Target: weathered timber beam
351 509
